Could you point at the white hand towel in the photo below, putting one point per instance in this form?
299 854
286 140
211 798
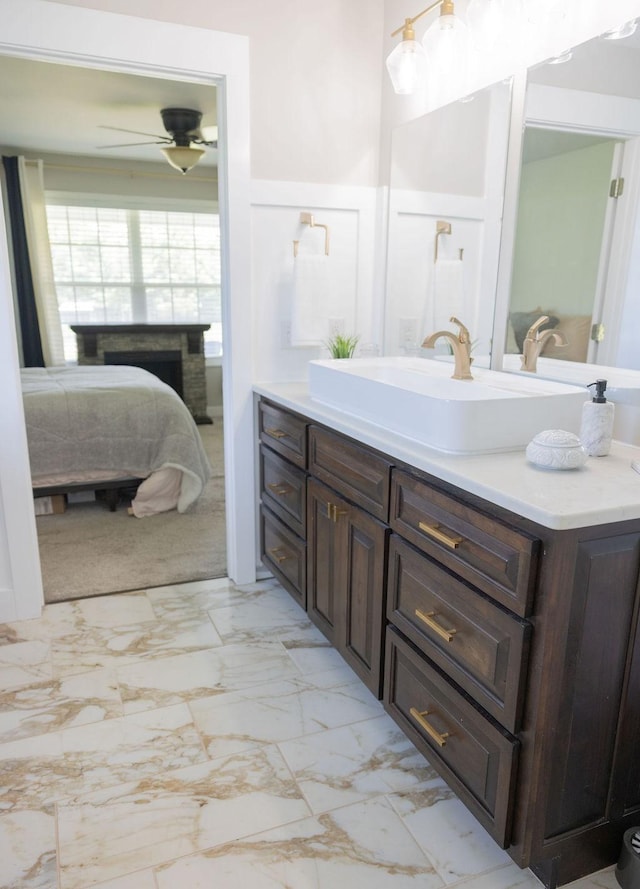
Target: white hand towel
447 294
309 311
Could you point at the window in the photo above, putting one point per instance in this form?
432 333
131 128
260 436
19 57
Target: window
118 265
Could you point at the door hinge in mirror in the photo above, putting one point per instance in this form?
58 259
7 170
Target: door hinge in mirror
617 187
597 332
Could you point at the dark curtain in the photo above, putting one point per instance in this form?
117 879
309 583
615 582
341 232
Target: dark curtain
27 313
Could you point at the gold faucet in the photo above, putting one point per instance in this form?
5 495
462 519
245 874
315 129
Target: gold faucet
460 346
535 341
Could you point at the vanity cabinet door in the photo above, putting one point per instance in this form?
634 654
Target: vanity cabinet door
323 552
363 563
346 575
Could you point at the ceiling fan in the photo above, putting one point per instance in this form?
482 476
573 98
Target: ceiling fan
181 145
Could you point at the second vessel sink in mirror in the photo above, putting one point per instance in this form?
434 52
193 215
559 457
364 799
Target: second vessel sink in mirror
416 398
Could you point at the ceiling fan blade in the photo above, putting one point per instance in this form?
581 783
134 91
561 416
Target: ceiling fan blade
133 144
136 132
207 135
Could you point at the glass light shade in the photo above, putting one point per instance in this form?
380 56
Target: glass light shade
407 67
486 20
183 158
447 47
563 57
545 12
623 31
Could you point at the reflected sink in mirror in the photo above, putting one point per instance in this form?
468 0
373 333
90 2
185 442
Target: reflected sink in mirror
623 388
416 398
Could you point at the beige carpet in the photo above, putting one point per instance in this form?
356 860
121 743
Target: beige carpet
89 551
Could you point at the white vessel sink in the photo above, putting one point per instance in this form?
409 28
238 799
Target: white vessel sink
416 398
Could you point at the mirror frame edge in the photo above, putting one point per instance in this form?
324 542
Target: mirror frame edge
509 219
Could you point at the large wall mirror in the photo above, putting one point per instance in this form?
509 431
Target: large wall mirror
445 214
576 250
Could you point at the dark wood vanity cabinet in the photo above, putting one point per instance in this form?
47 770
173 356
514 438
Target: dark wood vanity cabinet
578 787
323 532
283 494
456 657
509 652
347 510
346 552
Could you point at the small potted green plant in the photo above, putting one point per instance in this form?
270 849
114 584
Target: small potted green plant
342 346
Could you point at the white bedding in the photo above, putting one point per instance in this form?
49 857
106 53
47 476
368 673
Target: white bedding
105 422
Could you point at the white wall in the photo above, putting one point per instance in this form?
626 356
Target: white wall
315 79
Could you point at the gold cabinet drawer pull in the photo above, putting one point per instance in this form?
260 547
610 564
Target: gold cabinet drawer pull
453 541
438 737
279 488
333 513
336 513
276 433
428 618
277 555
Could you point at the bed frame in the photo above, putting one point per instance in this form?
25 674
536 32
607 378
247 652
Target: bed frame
110 489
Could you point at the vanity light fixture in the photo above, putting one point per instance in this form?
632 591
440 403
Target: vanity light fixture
486 20
565 56
623 31
407 63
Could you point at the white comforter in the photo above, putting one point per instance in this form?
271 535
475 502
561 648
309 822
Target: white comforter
105 422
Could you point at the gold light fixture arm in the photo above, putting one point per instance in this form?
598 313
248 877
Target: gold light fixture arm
447 9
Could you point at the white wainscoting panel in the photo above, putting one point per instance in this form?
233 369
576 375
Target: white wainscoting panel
350 213
412 300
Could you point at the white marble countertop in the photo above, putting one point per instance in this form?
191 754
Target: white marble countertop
605 489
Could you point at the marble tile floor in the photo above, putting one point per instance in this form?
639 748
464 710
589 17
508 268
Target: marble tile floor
207 735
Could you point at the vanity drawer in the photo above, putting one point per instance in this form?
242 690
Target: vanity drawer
482 647
352 469
285 554
284 490
285 432
476 757
499 560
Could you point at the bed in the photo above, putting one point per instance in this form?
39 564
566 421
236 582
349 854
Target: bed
96 426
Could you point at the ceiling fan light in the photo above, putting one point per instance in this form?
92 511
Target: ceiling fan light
183 158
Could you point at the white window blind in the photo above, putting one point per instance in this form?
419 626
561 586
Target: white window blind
120 265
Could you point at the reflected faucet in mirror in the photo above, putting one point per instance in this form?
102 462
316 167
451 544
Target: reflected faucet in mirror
535 341
460 346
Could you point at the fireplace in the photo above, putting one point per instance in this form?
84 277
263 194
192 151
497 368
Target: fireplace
173 352
166 365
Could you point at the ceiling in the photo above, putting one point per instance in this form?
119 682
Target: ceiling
64 109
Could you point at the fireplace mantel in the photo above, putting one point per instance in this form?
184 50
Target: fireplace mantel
94 340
